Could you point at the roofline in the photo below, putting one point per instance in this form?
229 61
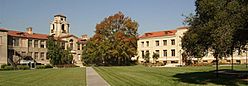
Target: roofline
60 15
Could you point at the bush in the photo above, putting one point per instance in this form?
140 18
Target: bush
66 66
159 64
23 67
201 64
43 66
40 67
48 66
3 65
8 68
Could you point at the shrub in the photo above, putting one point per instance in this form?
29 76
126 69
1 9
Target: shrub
159 64
3 65
43 66
8 68
40 67
48 66
23 67
66 66
201 64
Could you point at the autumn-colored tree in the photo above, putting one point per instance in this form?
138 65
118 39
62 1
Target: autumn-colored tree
114 42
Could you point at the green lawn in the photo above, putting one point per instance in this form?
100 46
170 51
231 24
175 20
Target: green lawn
154 76
44 77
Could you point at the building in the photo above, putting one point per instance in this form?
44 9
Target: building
28 47
168 45
60 28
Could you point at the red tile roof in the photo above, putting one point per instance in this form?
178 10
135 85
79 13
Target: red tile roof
66 36
25 34
159 34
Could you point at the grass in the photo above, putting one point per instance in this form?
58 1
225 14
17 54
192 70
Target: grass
44 77
154 76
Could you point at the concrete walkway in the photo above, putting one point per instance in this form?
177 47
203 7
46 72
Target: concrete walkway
94 79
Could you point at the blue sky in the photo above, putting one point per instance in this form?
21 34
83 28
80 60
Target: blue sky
83 15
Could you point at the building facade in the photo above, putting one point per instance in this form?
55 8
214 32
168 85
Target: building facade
165 43
28 47
168 45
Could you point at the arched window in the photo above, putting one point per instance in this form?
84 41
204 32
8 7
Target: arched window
63 28
52 30
71 43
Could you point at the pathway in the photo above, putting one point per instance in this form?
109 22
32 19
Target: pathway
94 79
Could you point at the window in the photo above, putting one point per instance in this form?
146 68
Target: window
142 53
228 60
63 28
165 42
42 55
142 44
52 31
0 40
238 61
71 44
78 46
16 41
147 43
36 55
23 52
174 61
147 51
165 53
30 43
42 44
53 27
173 52
206 61
157 43
35 43
173 42
157 51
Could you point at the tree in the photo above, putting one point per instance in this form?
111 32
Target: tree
57 55
155 56
147 57
216 27
114 42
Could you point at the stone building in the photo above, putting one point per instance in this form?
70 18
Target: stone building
28 47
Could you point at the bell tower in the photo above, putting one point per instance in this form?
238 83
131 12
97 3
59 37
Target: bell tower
59 26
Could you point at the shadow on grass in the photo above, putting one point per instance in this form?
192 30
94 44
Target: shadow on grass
226 77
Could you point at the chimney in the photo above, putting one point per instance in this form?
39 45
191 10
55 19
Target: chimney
29 30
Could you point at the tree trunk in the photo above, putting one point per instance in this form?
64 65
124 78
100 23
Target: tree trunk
217 69
232 62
